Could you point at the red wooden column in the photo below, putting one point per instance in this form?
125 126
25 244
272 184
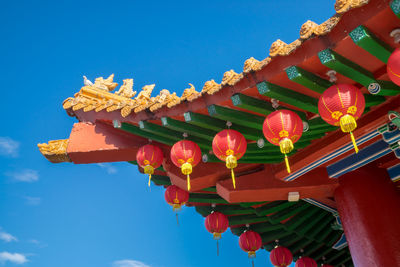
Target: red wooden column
369 208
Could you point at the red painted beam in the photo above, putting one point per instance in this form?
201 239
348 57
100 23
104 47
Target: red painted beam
100 142
262 186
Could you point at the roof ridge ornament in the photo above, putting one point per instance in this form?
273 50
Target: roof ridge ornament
231 78
342 6
210 87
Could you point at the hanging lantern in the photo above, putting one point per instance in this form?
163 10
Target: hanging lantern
393 67
176 197
250 242
342 104
306 262
229 146
216 223
149 157
281 257
186 154
283 128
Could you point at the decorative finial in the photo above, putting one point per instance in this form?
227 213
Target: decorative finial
260 143
275 103
306 127
185 135
228 124
204 158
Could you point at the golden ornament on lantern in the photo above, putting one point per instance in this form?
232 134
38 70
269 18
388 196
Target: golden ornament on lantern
283 128
341 105
149 157
229 146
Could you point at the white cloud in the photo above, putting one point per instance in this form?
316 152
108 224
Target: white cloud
109 168
32 201
7 237
16 258
8 147
26 175
37 243
129 263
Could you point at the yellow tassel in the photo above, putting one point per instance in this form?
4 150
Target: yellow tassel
188 182
186 169
149 179
287 164
233 179
354 142
148 169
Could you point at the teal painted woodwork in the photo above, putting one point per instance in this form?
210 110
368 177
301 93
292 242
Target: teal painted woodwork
288 96
342 65
218 125
259 106
307 79
236 116
395 6
362 37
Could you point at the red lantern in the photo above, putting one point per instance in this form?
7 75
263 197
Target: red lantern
250 242
149 157
186 154
393 67
216 223
229 146
281 257
342 104
176 197
283 128
306 262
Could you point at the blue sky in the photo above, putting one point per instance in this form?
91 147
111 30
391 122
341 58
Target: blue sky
63 215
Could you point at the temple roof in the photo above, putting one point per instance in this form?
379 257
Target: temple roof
352 46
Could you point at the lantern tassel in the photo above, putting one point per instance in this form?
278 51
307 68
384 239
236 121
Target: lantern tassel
149 179
217 248
354 142
287 164
252 262
188 182
233 179
177 219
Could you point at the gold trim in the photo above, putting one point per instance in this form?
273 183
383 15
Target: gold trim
55 150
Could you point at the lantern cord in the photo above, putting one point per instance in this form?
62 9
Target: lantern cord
233 179
149 179
287 164
217 248
354 142
188 182
177 219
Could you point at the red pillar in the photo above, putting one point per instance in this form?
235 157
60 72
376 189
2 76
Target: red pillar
369 208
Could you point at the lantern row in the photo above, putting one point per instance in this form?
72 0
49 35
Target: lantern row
249 241
340 105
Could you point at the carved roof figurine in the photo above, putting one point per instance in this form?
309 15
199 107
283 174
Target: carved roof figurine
211 87
86 82
55 151
281 48
327 26
190 94
143 99
342 6
173 100
231 78
126 90
307 29
159 100
253 64
105 84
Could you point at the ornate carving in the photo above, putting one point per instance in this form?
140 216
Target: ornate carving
126 90
160 100
307 29
210 87
106 84
190 94
342 6
327 26
283 49
231 78
55 151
